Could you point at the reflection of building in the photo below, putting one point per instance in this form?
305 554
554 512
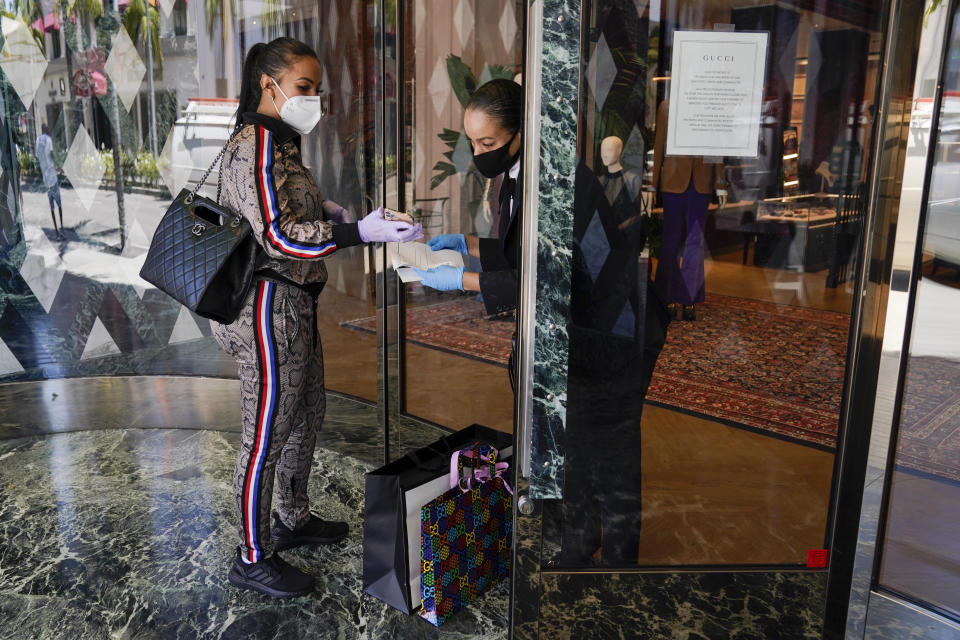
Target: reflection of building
179 56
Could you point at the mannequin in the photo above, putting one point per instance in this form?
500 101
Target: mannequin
618 179
685 184
610 149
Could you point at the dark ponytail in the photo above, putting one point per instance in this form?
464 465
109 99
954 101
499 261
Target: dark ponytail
502 101
271 58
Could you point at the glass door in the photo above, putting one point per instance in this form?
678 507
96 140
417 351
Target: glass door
908 561
705 174
446 356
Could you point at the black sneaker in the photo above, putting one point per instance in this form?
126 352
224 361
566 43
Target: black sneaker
316 531
272 576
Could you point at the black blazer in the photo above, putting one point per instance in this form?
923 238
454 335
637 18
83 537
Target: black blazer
499 258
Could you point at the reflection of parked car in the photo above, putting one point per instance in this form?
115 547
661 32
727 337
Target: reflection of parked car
941 240
195 140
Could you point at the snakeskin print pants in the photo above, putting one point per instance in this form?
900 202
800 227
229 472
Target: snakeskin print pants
280 359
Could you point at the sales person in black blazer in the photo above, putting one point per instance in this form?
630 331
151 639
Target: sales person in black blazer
492 123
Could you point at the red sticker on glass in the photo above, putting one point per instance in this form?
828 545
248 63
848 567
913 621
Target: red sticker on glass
816 558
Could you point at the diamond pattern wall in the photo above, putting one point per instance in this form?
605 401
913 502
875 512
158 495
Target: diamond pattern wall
601 71
439 87
84 168
99 342
333 23
419 17
418 157
8 361
462 155
463 21
43 281
21 60
336 157
125 68
346 89
485 75
185 328
174 162
508 27
54 319
595 246
634 151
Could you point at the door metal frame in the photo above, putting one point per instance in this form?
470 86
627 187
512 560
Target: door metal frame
391 317
871 611
526 306
389 290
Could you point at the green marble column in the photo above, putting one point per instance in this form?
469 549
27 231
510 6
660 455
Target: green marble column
560 56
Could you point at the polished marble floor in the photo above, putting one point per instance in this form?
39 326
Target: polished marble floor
111 527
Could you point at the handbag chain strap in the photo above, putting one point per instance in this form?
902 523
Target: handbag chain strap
206 173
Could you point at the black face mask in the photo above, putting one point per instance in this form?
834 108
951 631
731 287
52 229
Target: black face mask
496 161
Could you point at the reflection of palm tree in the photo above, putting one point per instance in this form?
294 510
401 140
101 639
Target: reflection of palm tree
224 11
272 16
30 11
82 11
143 25
85 12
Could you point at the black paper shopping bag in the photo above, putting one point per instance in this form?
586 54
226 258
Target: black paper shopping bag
394 497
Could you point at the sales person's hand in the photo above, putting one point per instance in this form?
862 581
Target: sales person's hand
444 278
374 228
721 199
335 213
455 241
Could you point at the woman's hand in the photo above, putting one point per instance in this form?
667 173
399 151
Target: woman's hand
444 278
374 228
455 241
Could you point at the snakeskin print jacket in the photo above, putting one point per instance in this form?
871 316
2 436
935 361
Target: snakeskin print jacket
263 179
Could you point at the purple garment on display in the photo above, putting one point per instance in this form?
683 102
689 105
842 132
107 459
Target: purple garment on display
682 281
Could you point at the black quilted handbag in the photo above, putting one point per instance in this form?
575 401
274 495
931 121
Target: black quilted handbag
203 255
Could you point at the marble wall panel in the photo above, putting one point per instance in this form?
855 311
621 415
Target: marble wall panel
560 57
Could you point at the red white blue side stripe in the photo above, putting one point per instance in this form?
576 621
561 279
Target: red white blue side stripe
266 410
271 213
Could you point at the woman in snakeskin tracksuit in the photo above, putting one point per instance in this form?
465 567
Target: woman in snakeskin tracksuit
275 340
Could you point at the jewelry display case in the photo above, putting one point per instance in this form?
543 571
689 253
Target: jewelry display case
794 232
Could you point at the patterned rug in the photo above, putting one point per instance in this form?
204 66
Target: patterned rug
457 326
930 418
767 367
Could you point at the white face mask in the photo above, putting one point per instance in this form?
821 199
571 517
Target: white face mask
300 112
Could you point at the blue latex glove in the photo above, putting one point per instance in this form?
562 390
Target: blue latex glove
335 213
454 241
443 278
374 228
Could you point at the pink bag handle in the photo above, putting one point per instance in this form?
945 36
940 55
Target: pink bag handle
481 474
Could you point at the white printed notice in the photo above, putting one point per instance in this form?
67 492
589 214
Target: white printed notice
716 93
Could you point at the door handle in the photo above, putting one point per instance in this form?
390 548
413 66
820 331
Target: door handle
526 505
